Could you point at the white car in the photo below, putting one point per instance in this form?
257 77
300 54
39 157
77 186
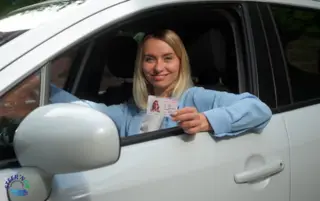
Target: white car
67 152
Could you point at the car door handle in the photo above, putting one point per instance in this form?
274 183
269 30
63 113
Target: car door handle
259 173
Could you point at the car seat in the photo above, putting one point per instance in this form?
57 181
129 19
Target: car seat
207 54
121 54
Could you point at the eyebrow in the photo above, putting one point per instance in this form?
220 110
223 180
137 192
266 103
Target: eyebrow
150 55
168 54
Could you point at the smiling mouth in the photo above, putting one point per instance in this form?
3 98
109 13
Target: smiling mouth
158 77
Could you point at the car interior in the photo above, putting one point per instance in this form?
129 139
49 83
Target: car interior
206 34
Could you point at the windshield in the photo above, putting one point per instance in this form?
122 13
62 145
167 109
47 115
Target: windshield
30 17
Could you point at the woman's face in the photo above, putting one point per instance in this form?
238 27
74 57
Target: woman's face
160 64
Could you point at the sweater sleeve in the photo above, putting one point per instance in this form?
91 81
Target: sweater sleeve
115 112
232 114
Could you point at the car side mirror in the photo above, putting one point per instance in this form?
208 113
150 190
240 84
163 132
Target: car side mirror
57 139
65 138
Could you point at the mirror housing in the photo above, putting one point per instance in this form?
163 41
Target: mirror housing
65 138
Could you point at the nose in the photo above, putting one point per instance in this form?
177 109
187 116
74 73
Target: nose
159 66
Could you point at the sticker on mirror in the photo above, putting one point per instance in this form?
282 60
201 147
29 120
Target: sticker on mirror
17 185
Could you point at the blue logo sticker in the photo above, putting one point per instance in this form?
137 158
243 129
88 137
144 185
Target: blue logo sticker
17 185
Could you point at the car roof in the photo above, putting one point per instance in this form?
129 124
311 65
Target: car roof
34 15
59 18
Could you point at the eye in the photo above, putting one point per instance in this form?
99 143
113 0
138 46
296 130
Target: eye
168 58
148 59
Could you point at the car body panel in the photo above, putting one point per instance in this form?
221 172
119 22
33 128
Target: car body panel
160 169
303 127
34 16
186 168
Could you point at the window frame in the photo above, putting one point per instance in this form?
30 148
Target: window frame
88 35
246 64
279 67
246 83
282 76
260 71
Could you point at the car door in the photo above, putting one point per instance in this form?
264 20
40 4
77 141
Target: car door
167 164
296 43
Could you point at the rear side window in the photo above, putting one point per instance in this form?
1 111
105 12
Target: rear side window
299 31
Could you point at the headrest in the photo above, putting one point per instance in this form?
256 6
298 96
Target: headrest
121 56
207 55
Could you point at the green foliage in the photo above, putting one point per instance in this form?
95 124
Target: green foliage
293 22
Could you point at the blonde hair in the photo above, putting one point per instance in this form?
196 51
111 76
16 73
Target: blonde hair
141 87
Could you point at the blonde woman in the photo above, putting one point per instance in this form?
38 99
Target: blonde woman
162 69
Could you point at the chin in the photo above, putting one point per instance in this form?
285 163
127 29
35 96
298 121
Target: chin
160 85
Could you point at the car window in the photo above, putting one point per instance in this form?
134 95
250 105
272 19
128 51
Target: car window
108 66
61 66
14 106
108 72
22 99
299 31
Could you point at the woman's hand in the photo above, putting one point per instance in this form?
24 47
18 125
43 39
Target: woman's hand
191 121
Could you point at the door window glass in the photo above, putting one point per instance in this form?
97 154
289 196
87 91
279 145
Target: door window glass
15 105
22 99
60 68
299 31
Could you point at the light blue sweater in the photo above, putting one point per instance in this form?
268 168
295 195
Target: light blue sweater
229 114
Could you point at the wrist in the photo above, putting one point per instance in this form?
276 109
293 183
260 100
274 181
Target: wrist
205 125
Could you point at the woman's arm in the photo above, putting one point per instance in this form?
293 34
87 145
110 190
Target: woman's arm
232 114
58 95
115 112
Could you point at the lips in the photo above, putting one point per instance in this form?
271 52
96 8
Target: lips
158 77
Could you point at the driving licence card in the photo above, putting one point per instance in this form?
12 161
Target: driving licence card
170 106
161 106
154 105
